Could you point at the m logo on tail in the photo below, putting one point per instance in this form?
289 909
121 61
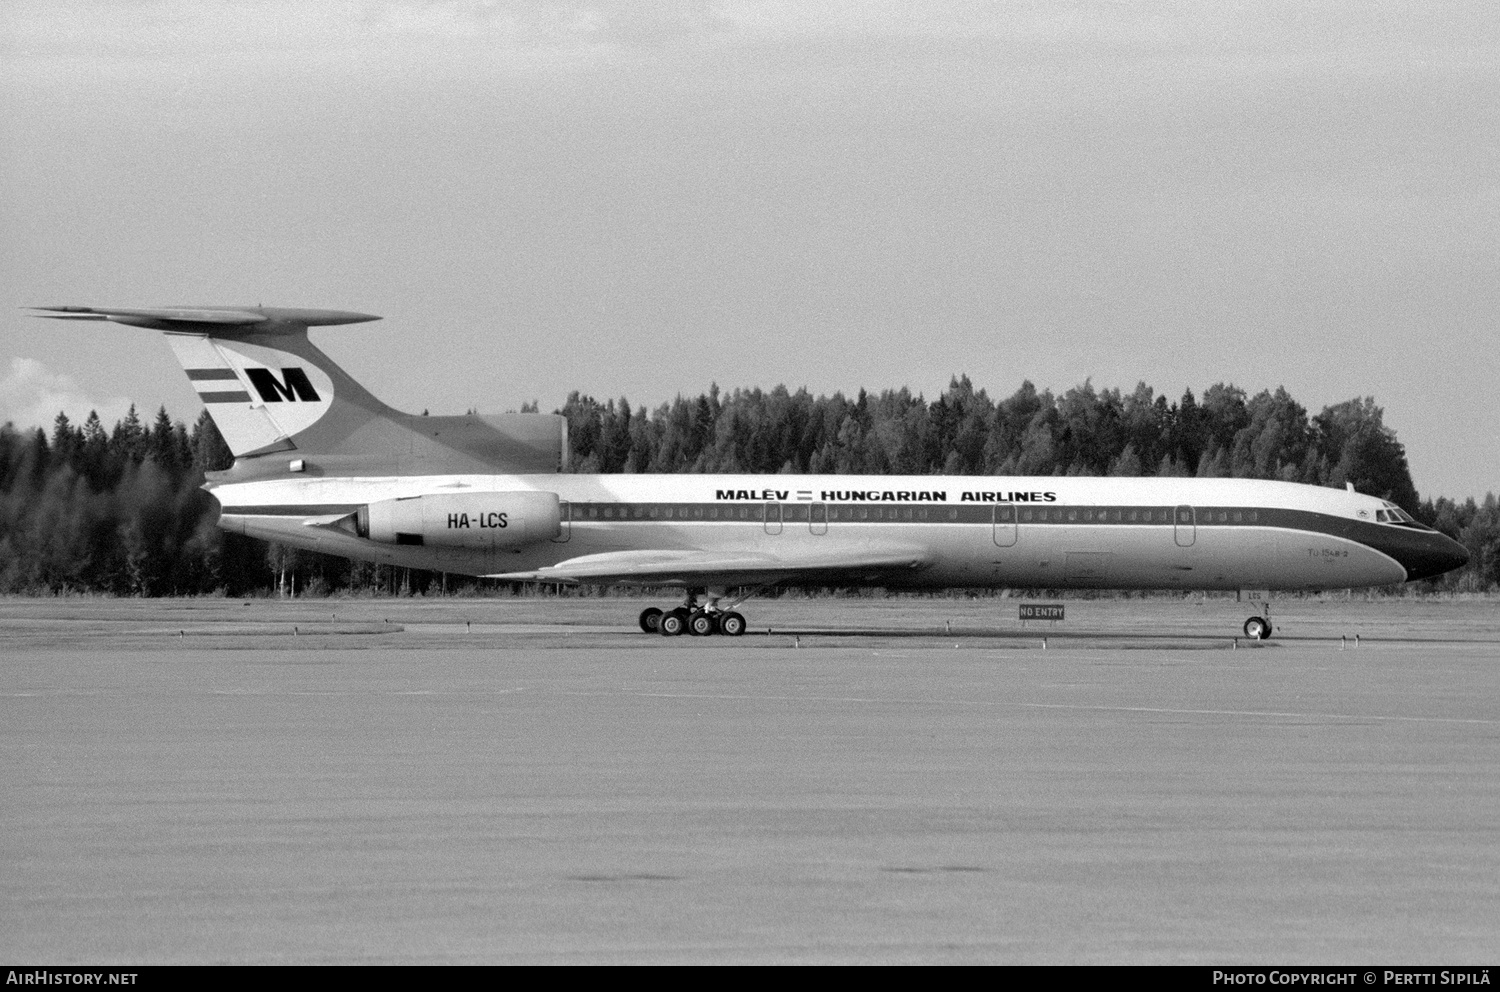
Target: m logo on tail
292 386
260 392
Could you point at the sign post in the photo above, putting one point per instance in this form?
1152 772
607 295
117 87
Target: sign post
1041 611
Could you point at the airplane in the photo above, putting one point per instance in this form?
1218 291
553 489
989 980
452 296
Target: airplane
321 464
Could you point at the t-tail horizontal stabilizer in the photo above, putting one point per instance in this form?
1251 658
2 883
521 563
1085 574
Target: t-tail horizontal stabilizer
208 320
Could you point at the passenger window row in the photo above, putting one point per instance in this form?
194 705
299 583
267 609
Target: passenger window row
909 513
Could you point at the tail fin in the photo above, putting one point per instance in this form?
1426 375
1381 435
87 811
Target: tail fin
271 391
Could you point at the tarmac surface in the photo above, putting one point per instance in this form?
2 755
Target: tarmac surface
894 781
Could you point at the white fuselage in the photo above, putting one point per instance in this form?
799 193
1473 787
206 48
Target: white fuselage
1053 532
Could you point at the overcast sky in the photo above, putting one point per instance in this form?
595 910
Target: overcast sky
641 198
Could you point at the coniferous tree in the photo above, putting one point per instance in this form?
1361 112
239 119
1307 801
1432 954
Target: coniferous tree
208 451
128 438
65 438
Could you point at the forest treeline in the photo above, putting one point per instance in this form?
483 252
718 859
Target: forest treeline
85 509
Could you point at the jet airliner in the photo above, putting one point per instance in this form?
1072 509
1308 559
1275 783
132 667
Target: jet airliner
321 464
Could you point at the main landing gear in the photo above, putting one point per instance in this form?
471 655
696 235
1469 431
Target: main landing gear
690 618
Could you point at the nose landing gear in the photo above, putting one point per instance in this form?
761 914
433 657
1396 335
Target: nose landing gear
1258 628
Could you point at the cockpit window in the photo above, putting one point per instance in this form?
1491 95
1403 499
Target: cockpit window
1393 514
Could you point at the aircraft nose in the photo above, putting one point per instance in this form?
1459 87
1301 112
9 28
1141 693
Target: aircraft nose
1433 555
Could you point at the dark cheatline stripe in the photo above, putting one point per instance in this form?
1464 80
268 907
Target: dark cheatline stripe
1374 535
212 375
239 397
292 509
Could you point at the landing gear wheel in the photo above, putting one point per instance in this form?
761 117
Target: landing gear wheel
731 624
700 624
651 620
673 623
1257 628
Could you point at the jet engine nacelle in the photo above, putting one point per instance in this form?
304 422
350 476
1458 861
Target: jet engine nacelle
463 520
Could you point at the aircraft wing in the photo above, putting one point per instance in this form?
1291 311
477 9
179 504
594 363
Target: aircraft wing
728 568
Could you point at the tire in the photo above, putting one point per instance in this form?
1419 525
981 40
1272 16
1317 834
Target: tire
701 624
651 620
731 624
1257 628
672 623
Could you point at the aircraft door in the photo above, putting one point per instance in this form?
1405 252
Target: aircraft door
773 518
1005 526
1184 526
565 526
817 518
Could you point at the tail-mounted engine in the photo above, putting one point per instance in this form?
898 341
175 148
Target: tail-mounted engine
463 520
